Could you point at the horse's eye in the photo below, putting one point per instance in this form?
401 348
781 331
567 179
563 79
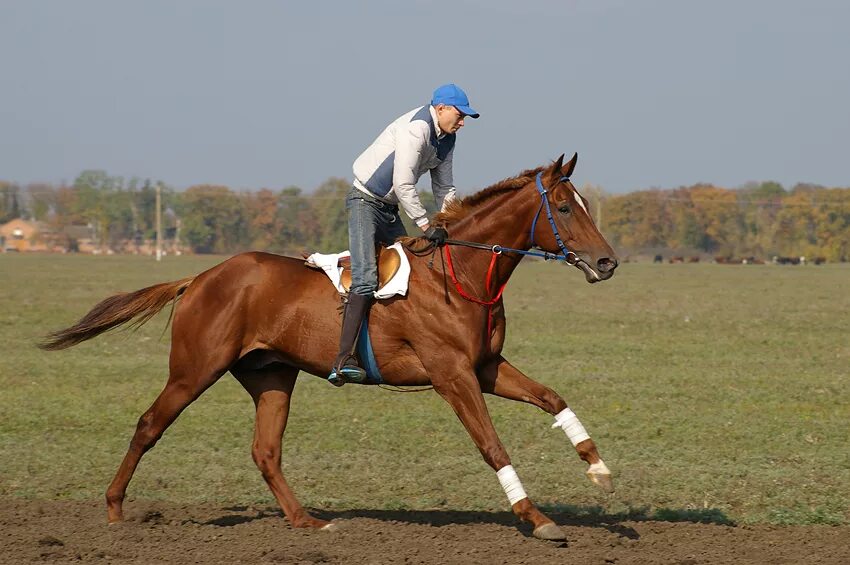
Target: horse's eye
564 208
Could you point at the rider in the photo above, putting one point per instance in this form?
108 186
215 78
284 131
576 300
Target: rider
385 176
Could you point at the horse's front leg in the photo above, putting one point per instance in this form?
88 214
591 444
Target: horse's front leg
462 391
503 379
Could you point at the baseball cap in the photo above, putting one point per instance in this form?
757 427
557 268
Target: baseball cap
453 95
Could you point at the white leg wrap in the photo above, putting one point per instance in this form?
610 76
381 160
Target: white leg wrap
567 421
510 482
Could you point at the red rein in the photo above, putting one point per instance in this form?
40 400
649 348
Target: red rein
488 280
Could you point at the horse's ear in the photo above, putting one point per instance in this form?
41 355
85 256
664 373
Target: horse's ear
554 172
567 170
559 162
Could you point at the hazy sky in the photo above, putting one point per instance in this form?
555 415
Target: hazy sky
273 93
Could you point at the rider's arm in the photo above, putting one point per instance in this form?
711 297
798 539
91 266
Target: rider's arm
409 144
442 182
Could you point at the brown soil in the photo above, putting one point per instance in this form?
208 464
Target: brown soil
158 532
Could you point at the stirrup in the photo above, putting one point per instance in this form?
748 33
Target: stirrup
347 374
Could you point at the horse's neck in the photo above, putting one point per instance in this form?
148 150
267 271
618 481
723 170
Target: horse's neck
503 220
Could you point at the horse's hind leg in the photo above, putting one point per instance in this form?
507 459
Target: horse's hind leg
503 379
271 390
178 393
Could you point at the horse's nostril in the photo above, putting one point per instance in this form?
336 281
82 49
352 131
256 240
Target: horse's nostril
606 264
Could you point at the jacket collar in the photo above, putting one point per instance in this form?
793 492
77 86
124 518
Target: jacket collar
440 133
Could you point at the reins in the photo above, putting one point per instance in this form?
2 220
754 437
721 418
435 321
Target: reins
487 281
566 255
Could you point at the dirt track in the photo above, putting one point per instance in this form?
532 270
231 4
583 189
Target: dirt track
156 532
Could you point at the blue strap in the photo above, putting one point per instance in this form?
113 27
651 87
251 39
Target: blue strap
544 201
566 255
367 355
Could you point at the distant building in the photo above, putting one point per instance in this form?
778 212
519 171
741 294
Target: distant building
74 238
22 235
27 236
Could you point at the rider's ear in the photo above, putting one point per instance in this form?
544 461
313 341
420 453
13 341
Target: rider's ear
567 170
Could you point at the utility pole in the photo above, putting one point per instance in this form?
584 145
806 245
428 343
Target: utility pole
596 192
158 222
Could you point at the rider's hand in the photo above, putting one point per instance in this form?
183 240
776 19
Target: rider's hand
437 235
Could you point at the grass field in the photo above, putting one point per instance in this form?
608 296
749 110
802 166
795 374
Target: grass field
714 392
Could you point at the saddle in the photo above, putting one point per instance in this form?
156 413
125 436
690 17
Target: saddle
389 262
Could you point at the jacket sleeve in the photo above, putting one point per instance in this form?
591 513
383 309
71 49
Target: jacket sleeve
408 150
442 182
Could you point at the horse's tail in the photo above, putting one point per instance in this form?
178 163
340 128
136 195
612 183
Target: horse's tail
116 310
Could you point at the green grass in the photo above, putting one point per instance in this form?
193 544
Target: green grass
715 393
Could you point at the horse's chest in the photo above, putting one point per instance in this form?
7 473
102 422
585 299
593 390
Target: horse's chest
497 330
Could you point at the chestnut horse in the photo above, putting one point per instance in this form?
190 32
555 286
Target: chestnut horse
265 318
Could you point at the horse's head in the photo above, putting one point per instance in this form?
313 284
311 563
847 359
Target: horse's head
563 223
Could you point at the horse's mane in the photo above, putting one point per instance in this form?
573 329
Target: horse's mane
459 209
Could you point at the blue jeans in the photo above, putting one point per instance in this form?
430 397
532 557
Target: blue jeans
370 222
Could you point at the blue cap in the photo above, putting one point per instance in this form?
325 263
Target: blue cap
452 95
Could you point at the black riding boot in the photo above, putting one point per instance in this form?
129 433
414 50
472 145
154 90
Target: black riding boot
345 368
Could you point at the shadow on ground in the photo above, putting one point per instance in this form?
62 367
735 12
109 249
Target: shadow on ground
564 515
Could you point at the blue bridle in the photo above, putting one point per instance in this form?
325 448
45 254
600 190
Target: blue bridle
565 255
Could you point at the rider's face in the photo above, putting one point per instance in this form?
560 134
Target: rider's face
449 118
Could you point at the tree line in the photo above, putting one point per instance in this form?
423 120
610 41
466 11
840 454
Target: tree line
759 219
204 218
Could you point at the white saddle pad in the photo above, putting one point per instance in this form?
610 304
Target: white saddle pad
397 285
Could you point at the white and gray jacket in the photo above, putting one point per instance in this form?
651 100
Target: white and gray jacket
390 168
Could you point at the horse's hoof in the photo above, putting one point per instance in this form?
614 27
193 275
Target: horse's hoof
549 531
603 480
600 475
329 527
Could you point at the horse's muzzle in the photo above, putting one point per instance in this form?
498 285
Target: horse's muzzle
604 269
606 266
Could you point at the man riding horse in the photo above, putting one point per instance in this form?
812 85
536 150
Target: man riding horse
448 332
385 176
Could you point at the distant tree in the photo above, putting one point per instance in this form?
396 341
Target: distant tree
41 201
144 204
213 219
261 212
328 204
806 187
769 189
638 219
102 202
298 227
10 205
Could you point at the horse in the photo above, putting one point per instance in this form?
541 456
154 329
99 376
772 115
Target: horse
264 318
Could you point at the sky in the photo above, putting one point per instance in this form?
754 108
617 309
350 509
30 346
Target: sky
253 94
